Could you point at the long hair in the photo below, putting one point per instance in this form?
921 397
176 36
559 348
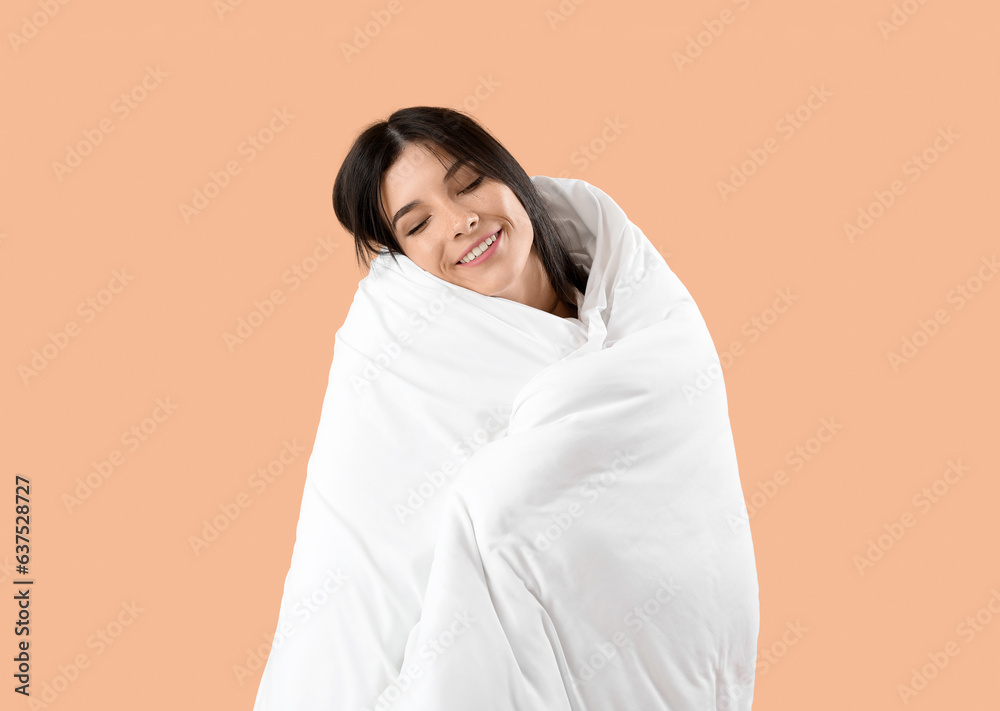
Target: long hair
357 190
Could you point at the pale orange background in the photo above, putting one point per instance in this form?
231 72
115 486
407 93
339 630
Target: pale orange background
546 88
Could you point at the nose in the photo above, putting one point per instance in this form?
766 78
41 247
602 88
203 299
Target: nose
464 219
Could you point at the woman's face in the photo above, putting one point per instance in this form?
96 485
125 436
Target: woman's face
439 219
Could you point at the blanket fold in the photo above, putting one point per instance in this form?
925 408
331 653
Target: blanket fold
518 510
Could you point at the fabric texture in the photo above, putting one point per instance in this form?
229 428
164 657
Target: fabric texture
505 509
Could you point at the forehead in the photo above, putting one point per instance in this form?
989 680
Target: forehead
419 158
420 165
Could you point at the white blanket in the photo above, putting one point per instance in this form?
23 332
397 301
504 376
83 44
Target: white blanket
505 509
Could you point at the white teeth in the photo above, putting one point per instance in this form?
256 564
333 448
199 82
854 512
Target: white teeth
478 249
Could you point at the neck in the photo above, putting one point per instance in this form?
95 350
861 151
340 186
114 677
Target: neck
561 308
537 290
564 310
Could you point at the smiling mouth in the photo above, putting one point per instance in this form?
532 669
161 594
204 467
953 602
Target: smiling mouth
474 255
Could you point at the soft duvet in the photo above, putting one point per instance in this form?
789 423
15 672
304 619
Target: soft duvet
505 509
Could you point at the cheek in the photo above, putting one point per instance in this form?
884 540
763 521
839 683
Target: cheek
525 232
521 217
516 213
431 258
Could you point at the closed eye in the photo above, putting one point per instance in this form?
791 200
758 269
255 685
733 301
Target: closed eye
472 186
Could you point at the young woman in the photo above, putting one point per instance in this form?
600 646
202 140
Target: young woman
523 492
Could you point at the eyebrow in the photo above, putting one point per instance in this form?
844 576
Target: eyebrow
454 168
